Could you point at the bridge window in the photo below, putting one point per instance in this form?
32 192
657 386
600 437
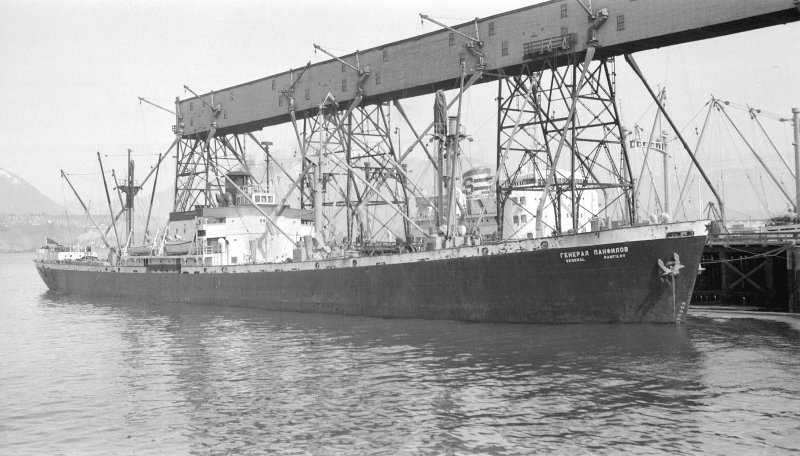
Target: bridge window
564 10
385 55
280 101
273 84
451 39
516 220
231 95
308 94
191 106
462 58
344 85
524 218
377 78
343 67
621 22
522 201
564 31
491 28
504 48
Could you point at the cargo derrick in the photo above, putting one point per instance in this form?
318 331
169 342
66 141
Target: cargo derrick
544 57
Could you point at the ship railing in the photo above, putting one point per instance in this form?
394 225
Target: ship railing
755 238
211 249
380 248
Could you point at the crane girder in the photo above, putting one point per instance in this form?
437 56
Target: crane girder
425 63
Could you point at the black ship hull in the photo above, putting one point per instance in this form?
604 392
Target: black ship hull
571 279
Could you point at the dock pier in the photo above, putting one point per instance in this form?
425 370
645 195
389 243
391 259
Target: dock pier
754 270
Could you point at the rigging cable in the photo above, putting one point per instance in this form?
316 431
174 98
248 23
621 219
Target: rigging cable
770 253
748 172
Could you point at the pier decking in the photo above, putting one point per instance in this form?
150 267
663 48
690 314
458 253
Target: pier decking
752 269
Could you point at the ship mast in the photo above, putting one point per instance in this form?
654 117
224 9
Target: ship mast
129 194
454 150
130 191
440 132
318 176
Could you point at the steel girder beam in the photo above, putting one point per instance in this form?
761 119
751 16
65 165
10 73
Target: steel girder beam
198 162
530 128
361 143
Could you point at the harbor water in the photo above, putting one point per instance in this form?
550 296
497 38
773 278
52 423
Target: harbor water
80 376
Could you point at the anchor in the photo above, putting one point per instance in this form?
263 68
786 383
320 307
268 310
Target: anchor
672 268
669 271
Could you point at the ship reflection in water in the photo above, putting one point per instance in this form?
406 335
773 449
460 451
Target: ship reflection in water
83 376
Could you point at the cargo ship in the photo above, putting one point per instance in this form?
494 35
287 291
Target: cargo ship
342 239
225 256
250 248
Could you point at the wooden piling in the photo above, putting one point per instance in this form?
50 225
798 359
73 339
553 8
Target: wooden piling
793 277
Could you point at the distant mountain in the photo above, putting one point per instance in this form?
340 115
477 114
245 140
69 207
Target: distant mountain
17 196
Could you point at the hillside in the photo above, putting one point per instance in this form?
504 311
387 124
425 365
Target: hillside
20 197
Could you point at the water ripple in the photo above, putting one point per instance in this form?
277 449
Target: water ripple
99 377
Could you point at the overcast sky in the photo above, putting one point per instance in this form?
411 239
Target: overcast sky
72 71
